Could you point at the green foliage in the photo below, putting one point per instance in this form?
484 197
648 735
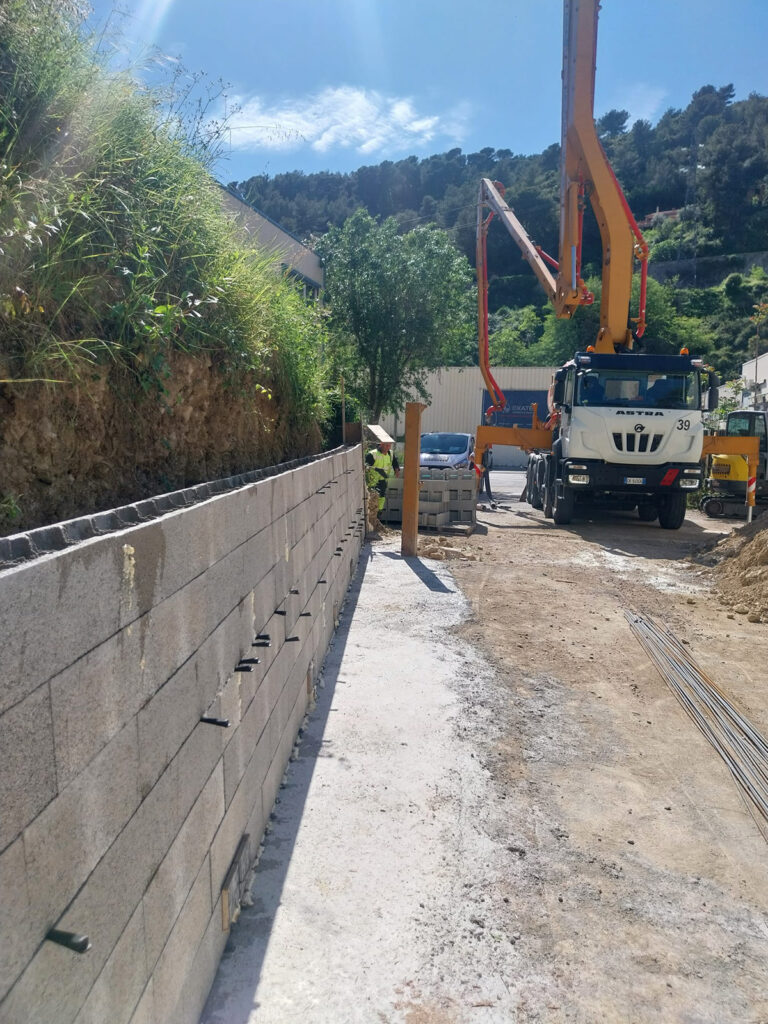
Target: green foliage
10 511
115 244
514 337
401 304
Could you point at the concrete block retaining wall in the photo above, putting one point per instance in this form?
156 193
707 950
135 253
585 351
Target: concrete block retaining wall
120 811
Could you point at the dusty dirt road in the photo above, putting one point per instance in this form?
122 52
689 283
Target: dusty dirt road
637 881
498 812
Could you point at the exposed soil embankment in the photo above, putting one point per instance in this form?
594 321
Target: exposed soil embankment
740 563
72 449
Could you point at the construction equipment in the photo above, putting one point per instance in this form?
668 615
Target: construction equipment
729 474
625 429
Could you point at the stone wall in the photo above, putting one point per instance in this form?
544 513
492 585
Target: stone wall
120 810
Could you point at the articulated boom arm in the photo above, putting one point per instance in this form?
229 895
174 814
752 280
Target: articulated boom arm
492 198
585 170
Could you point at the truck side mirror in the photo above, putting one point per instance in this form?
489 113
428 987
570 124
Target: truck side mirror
713 396
558 391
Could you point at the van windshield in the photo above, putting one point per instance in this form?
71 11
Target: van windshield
638 389
444 444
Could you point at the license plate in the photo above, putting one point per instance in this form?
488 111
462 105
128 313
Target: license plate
634 480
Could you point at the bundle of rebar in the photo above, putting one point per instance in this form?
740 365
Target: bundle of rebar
741 746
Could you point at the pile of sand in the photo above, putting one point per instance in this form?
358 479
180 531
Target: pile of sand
740 563
441 548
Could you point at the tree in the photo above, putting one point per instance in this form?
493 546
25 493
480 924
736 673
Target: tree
514 333
612 124
400 304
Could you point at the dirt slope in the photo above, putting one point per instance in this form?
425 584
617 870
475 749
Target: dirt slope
637 881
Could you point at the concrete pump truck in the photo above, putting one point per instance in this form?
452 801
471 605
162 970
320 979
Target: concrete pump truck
624 429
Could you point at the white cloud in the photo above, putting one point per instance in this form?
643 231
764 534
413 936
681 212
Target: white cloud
644 102
342 118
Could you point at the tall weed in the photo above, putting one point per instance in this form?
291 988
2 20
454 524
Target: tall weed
114 245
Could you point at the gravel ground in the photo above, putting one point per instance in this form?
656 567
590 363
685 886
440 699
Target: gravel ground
498 811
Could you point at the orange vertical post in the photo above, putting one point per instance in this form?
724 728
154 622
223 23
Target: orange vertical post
409 541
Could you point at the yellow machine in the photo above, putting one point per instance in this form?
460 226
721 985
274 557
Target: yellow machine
730 475
640 443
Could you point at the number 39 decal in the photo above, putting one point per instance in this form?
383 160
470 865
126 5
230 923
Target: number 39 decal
683 424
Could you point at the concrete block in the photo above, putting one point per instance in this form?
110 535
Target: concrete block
230 832
52 988
275 772
274 629
69 838
27 764
228 702
145 1009
264 600
143 558
279 498
121 982
193 765
241 748
170 887
95 698
173 967
19 936
433 507
218 654
38 642
166 722
221 589
173 631
118 883
203 967
260 553
256 825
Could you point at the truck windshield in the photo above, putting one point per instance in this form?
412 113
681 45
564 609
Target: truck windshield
444 444
641 389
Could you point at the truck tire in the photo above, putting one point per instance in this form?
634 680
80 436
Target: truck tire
536 497
562 509
549 487
672 510
713 507
647 512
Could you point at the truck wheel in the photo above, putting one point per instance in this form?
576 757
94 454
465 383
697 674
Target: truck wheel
713 507
536 498
562 509
672 511
647 513
549 495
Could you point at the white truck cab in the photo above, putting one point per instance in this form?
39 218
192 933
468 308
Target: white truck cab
630 435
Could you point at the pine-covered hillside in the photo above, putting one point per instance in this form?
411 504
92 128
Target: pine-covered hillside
697 180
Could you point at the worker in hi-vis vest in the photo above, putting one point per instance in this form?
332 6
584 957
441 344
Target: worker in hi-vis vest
380 464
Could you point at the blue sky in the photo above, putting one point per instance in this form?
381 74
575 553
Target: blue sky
336 84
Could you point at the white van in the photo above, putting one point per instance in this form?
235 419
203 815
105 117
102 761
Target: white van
447 451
